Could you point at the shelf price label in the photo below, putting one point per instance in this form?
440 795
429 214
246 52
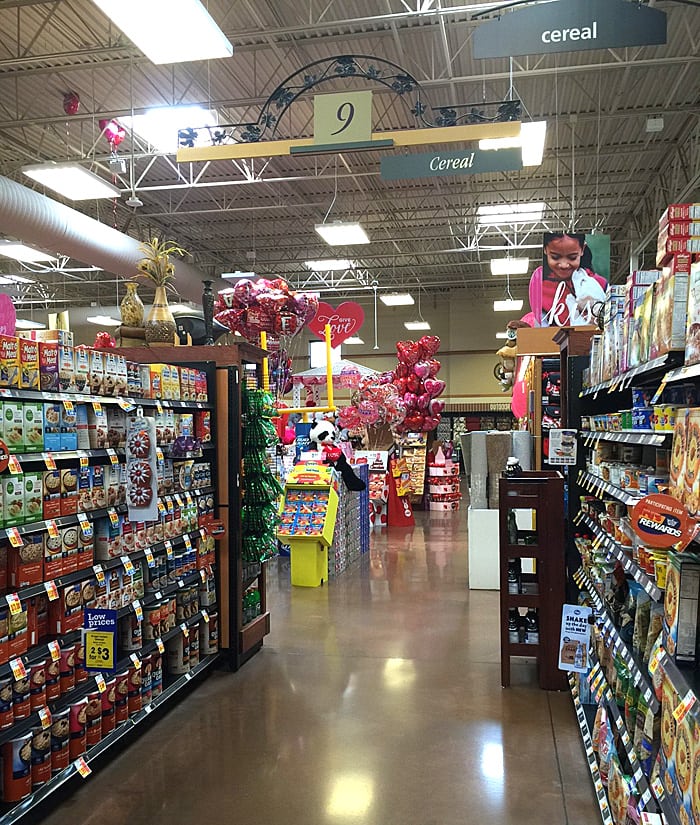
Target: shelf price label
97 407
159 406
49 461
51 590
684 706
52 528
14 603
54 650
85 526
14 466
188 542
113 457
68 406
138 610
113 516
168 548
82 767
150 560
205 616
178 500
100 682
135 659
84 460
161 507
14 536
655 661
185 630
128 565
99 573
45 717
160 645
159 455
100 635
19 671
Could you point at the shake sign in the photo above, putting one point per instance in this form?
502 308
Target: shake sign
344 321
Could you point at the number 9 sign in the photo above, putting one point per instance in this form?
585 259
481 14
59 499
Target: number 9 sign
343 118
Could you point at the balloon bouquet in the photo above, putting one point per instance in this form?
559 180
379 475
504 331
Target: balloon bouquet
405 399
252 307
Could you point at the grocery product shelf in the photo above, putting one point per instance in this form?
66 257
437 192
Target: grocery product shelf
644 437
90 685
596 486
684 682
618 552
646 371
21 811
604 693
637 670
682 373
126 403
600 792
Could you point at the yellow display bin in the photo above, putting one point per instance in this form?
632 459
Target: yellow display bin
307 515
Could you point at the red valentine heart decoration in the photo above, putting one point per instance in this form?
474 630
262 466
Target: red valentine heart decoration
430 344
436 407
434 387
345 321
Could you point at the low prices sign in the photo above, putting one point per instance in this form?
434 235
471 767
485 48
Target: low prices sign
99 635
660 521
344 321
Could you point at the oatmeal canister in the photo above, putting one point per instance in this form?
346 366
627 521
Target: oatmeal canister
178 655
21 705
194 645
209 635
41 756
78 728
151 622
81 673
17 768
37 685
67 668
108 707
53 680
156 675
146 680
94 718
134 690
60 741
121 700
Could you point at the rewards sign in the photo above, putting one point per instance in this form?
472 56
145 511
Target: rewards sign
660 521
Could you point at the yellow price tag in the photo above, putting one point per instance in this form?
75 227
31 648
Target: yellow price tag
113 457
684 706
68 405
185 630
205 615
159 454
14 466
82 767
52 528
150 560
113 517
19 671
54 650
161 507
84 461
97 407
99 573
51 590
188 542
135 659
160 645
45 717
655 661
169 548
14 603
159 406
49 461
14 537
100 682
99 649
128 565
138 610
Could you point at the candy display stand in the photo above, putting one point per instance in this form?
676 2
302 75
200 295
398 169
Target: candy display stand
443 487
307 521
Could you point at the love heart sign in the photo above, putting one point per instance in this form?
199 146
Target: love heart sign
345 321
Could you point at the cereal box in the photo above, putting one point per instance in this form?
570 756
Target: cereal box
17 641
13 500
670 310
175 385
109 384
116 427
69 491
97 372
33 496
69 427
53 556
156 380
26 563
13 425
33 427
122 381
681 606
48 366
82 369
9 361
97 487
66 612
28 364
69 544
63 337
692 345
51 486
108 541
84 490
97 428
66 369
203 426
52 427
81 423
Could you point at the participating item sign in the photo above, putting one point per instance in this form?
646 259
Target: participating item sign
570 26
100 635
345 117
442 164
345 321
660 521
562 447
574 638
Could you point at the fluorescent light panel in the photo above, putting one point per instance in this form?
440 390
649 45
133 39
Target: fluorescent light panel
72 181
397 299
531 139
103 320
238 274
26 323
24 253
501 335
159 126
340 233
329 265
416 325
510 213
169 31
509 266
355 339
508 305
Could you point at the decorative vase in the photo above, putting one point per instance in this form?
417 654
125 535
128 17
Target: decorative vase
208 308
160 326
131 307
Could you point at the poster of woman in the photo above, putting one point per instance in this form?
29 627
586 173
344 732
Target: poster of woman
569 288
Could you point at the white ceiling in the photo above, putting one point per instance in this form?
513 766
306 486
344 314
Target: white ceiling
601 167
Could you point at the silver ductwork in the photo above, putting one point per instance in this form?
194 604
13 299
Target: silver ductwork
35 219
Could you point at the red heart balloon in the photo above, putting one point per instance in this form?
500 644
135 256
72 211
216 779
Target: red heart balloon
430 344
345 321
436 407
408 351
413 383
434 367
434 387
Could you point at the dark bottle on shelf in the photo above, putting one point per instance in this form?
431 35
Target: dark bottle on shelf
512 528
513 618
532 627
513 576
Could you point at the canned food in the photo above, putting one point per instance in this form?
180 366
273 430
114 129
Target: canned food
81 673
130 632
194 645
109 698
178 655
626 419
121 701
151 622
37 685
53 680
134 690
146 680
17 768
94 719
78 728
41 756
209 635
67 668
60 741
21 704
156 675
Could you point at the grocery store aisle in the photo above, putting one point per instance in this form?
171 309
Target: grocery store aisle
375 700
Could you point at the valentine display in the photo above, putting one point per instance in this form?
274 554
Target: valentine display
262 491
324 436
141 469
443 480
252 307
345 321
417 385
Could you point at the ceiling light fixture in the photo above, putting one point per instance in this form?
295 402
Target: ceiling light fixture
26 323
509 303
238 274
160 126
24 253
342 233
531 138
329 265
509 266
510 213
502 335
103 320
71 180
419 323
9 280
397 299
169 31
354 339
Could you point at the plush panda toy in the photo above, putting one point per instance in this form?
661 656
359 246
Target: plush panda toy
325 436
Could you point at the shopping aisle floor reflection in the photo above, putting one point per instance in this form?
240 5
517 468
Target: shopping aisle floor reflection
375 700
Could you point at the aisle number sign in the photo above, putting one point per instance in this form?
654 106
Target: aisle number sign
574 638
345 117
100 633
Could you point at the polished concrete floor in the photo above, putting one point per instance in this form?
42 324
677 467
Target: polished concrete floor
375 700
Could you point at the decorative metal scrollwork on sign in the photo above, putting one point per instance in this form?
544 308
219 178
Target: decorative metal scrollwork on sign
370 69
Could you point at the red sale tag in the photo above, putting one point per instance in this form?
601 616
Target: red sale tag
49 461
45 717
14 537
18 669
82 767
51 590
52 528
54 651
14 603
14 466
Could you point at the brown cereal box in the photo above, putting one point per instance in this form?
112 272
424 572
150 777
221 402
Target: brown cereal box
9 361
28 364
48 366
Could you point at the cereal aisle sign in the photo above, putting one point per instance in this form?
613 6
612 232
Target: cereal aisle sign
100 633
574 638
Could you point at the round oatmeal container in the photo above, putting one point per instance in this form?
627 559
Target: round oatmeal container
60 741
194 644
108 707
81 674
156 675
151 622
178 655
37 685
131 632
94 718
134 690
146 680
121 706
17 768
53 680
78 728
209 635
21 704
41 756
67 668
